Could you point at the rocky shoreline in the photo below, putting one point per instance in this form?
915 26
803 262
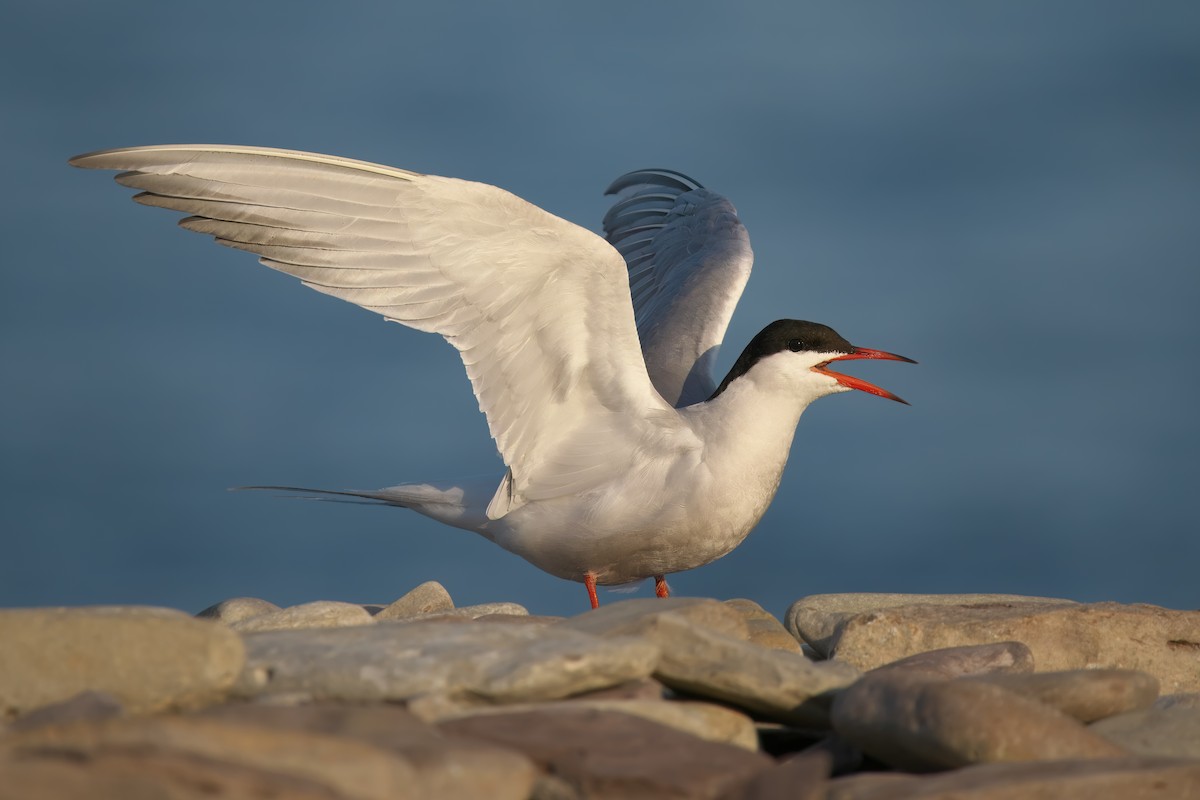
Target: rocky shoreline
856 697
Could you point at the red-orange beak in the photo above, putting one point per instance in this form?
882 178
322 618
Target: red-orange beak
851 382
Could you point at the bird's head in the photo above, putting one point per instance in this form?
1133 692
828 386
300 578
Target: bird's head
796 355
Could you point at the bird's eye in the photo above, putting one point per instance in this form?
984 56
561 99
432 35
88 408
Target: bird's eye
795 345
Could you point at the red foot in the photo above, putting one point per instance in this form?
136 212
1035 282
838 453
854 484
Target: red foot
589 580
660 586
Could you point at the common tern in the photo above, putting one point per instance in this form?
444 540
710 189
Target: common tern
592 358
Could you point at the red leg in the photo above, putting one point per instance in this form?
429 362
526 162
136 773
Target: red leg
589 580
660 586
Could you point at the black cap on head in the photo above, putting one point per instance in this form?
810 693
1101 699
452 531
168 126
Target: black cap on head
795 335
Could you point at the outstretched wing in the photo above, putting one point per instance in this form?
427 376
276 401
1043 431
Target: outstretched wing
538 308
689 258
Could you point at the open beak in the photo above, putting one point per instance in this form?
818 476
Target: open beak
851 382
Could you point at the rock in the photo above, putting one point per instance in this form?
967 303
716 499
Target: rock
147 658
445 766
1185 700
1105 779
147 776
640 617
318 614
817 619
801 777
1172 731
979 659
83 706
776 684
607 754
1084 694
913 722
397 661
645 689
237 609
763 628
428 598
488 610
1061 636
703 720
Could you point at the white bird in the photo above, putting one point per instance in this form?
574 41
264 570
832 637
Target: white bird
591 359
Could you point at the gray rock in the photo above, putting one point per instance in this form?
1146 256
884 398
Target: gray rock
979 659
237 609
428 598
1084 694
317 614
397 661
147 658
640 617
1172 731
488 610
774 683
763 628
83 706
817 619
604 754
1184 700
800 777
1103 779
913 722
1061 636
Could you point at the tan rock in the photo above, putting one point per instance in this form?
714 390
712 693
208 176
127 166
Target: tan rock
1172 731
147 658
1105 779
605 754
1061 636
913 722
641 616
237 609
317 614
801 777
428 598
978 659
763 628
1084 694
818 619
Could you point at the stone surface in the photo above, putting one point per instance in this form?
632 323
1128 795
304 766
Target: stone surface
763 628
83 706
773 683
147 658
603 754
444 766
1084 694
641 617
317 614
1184 700
817 619
1172 731
1158 641
913 722
1107 779
428 598
397 661
802 777
237 609
703 720
979 659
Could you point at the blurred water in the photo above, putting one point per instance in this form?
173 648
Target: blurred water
1007 193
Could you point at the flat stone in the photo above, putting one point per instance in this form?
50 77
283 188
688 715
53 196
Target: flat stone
147 776
428 598
317 614
444 765
1183 700
817 619
147 658
1061 636
644 689
1104 779
706 721
237 609
1172 731
913 722
398 661
641 616
604 754
1084 694
763 628
978 659
800 777
773 683
343 766
83 706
